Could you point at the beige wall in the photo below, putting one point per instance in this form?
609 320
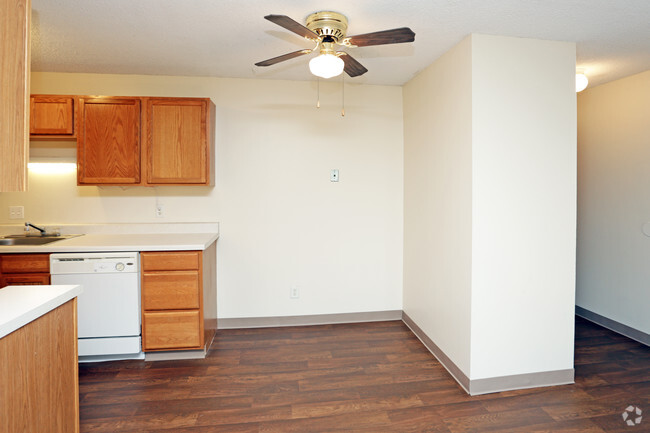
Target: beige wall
437 201
613 205
282 221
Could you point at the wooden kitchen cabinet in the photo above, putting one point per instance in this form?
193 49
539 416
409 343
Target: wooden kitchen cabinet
108 142
145 141
51 116
14 88
172 300
39 374
178 137
24 269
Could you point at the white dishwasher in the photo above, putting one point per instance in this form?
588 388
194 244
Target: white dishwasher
108 310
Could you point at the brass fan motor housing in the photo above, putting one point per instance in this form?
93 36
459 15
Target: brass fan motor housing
327 23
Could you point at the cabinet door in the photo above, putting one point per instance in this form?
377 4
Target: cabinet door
108 146
177 141
24 280
14 83
51 115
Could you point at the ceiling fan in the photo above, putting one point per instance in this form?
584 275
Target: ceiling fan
328 29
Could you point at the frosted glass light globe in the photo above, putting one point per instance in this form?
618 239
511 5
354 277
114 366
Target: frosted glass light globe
581 82
326 66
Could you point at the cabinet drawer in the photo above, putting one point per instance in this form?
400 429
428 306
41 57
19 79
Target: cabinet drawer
24 280
24 263
172 330
178 290
170 261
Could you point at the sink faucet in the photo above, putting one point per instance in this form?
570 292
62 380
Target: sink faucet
28 225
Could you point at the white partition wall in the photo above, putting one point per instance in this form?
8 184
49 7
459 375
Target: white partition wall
492 285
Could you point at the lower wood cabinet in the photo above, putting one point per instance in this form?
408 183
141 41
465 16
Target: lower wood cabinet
174 287
39 375
24 269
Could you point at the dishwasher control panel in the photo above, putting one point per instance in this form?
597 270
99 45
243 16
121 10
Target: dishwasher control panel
94 263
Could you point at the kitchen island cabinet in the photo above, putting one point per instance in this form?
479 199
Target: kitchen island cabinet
38 359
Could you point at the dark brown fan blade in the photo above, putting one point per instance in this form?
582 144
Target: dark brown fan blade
384 37
291 25
352 67
282 58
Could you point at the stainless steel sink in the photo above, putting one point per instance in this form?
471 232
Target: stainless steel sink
32 240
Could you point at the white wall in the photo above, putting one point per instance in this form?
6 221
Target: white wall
282 222
437 201
523 205
490 205
613 205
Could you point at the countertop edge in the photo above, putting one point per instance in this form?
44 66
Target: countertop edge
33 309
64 247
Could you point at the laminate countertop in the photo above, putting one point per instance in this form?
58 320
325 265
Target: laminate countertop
20 305
120 242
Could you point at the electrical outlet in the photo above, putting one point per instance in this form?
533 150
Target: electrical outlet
334 175
160 211
16 212
294 293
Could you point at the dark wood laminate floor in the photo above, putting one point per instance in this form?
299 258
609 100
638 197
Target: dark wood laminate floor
370 377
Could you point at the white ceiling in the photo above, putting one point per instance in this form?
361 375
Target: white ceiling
225 38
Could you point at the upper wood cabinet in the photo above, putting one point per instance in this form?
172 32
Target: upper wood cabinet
14 88
108 142
51 115
145 141
177 150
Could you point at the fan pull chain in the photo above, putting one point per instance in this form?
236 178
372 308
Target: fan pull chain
342 95
317 92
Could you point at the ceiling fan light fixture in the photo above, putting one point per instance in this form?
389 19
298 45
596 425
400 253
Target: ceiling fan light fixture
581 80
326 65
